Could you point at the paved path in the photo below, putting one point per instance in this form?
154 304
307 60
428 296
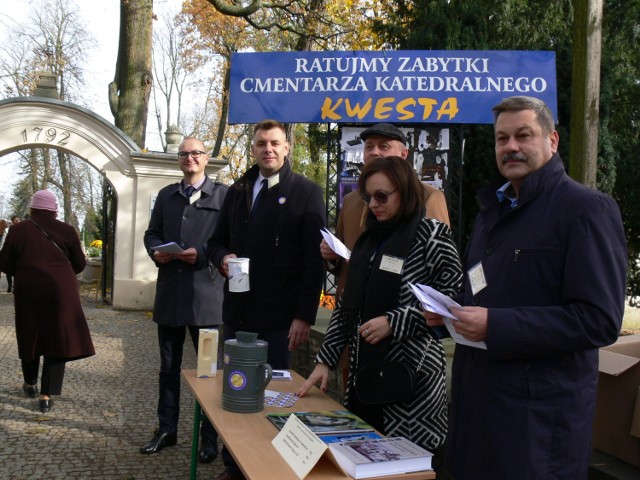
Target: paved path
106 411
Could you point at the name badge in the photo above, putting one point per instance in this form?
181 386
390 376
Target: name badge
195 197
391 264
476 278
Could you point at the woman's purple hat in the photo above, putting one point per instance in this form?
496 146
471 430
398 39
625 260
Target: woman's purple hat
44 200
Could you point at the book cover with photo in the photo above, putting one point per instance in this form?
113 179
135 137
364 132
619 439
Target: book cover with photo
349 437
325 422
378 457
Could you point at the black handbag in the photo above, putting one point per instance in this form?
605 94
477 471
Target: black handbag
383 383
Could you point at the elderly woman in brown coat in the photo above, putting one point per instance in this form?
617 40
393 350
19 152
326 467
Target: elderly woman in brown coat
44 255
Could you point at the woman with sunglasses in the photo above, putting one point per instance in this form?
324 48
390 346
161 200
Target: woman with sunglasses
378 315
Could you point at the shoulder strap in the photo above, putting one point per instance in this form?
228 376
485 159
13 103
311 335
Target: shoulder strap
48 237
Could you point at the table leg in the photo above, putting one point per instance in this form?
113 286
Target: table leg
197 416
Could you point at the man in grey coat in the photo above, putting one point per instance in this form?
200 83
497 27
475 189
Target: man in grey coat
189 289
545 287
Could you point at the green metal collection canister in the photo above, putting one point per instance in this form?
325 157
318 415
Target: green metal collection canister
246 373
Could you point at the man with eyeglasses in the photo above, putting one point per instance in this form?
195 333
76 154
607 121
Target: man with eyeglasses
380 140
188 290
272 216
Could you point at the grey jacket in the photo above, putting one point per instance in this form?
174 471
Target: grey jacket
186 294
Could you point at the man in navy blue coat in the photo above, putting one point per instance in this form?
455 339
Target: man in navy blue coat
272 216
189 289
545 288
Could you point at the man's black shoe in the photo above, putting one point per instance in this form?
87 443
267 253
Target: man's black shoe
46 405
159 441
208 451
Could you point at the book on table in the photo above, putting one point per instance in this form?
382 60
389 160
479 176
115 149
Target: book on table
324 422
379 457
348 437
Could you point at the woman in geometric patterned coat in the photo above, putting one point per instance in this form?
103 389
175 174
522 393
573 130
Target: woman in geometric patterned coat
378 315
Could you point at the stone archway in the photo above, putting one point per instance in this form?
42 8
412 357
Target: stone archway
136 177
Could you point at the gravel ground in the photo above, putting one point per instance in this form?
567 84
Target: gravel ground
106 411
107 408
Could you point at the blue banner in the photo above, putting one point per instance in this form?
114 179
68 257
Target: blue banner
412 86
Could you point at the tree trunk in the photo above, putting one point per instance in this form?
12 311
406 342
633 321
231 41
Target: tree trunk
224 108
585 88
65 187
129 92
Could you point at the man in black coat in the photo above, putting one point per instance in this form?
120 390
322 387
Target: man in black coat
273 217
189 289
545 289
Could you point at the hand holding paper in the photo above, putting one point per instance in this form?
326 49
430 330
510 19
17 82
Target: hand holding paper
171 247
335 244
436 302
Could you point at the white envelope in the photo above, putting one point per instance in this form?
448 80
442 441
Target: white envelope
335 244
435 302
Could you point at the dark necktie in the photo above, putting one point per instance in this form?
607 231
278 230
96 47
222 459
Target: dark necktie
261 193
189 190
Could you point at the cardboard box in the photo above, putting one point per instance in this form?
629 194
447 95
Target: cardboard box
616 428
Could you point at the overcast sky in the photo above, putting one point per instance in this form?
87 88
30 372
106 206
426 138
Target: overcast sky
101 20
